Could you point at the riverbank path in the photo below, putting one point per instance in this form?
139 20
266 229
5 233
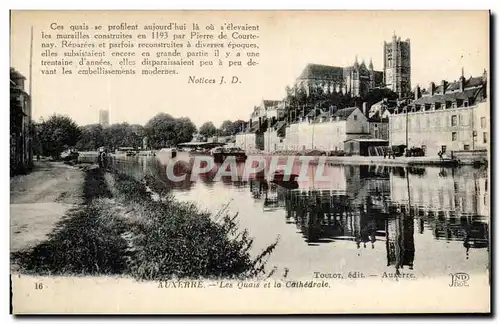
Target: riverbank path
40 199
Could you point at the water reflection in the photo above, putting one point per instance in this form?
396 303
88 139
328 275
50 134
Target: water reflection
368 208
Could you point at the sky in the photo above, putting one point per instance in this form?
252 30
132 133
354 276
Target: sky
442 42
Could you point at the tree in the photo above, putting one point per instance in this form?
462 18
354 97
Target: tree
92 137
296 101
160 130
134 135
163 130
226 128
378 94
237 126
208 129
57 134
184 129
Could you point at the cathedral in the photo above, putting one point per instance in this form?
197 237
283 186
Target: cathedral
358 79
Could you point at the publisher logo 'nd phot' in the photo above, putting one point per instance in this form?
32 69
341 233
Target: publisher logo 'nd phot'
459 279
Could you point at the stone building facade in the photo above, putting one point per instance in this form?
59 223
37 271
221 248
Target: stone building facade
451 117
321 133
21 132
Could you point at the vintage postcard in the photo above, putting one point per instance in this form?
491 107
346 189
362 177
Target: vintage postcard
250 162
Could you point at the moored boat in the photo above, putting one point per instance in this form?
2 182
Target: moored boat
220 154
288 181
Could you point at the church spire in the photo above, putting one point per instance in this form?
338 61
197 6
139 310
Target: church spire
370 66
356 64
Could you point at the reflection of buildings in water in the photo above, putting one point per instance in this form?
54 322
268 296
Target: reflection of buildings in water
326 215
272 195
453 204
400 243
349 207
462 191
472 230
258 188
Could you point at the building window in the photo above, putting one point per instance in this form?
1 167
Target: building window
443 148
483 122
454 120
355 117
485 137
466 147
454 136
466 104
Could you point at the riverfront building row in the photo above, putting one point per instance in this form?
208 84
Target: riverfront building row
451 116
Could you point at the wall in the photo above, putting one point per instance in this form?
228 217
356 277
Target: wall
272 142
357 123
246 141
434 129
327 136
379 130
482 111
321 136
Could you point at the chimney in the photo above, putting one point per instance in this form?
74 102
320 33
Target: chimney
364 108
443 85
461 82
418 94
485 75
432 88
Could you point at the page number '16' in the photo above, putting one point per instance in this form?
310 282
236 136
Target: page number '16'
38 285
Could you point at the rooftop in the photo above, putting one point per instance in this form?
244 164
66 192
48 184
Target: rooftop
453 96
322 72
270 103
344 113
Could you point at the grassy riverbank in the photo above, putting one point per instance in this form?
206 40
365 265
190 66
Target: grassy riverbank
121 229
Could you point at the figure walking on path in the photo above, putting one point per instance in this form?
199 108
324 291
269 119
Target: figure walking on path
102 158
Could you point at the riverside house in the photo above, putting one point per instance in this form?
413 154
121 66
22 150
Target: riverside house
21 153
263 117
327 132
450 117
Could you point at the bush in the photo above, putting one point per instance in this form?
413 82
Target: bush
177 240
146 238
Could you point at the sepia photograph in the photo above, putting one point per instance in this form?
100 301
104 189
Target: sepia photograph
250 162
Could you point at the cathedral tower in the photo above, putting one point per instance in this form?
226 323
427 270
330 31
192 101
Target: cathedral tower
397 66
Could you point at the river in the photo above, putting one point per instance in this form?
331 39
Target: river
427 221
